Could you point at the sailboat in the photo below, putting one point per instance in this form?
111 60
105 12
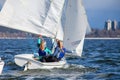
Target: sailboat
65 20
1 65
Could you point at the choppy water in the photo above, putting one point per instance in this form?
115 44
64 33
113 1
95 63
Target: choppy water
100 61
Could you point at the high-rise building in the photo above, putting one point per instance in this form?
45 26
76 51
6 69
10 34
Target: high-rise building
108 25
114 25
118 25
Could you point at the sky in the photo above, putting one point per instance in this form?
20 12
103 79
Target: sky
99 11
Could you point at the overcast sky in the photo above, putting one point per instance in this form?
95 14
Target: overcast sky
99 11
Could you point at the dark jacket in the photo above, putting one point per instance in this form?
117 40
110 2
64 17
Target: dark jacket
41 53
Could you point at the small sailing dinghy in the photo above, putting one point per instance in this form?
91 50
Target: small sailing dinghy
64 20
29 62
1 65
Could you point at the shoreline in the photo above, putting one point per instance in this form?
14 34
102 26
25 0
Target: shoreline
105 38
36 38
15 38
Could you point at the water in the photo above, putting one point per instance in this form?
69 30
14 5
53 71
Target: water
100 61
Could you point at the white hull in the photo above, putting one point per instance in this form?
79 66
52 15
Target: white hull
1 66
29 62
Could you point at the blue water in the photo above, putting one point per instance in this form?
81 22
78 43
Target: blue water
101 61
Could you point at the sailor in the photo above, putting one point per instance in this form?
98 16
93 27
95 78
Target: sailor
43 51
59 52
46 49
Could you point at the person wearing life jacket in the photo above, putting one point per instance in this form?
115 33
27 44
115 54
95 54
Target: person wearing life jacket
59 52
43 50
46 49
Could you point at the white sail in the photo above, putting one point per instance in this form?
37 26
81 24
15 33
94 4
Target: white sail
44 17
75 26
34 16
60 33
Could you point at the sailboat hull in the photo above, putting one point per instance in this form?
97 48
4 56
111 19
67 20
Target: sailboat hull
27 61
1 66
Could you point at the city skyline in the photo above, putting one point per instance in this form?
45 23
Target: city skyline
98 11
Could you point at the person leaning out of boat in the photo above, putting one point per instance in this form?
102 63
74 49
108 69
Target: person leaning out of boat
59 52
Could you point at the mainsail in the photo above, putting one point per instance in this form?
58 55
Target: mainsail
46 17
38 17
75 26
